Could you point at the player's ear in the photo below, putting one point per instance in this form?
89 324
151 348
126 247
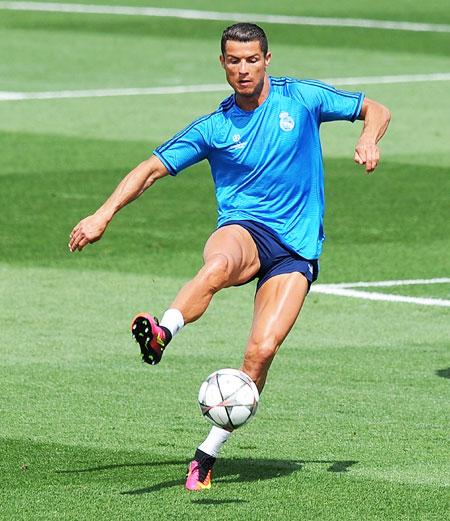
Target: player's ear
267 58
222 60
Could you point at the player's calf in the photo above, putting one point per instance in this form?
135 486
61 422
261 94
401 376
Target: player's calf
258 358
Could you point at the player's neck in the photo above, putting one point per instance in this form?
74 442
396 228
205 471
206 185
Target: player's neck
249 103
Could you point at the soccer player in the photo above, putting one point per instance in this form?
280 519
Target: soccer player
263 147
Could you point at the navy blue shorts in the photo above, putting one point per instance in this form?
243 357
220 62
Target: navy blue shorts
274 256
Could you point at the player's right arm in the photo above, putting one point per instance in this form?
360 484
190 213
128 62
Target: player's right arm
91 228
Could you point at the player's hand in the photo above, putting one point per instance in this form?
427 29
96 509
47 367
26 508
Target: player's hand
367 154
87 231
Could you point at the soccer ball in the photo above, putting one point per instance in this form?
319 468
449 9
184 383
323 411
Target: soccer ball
228 398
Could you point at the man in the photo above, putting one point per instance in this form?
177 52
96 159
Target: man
264 150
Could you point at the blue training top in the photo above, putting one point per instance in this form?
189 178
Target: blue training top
267 163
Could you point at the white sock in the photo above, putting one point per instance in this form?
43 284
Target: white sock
214 441
173 320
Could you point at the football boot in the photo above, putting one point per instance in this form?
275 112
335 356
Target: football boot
198 478
151 337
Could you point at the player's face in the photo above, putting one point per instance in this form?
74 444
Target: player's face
245 66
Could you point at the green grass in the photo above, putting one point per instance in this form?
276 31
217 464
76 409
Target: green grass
170 30
361 415
353 423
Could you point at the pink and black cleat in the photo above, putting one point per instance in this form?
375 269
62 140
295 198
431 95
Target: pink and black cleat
151 337
197 478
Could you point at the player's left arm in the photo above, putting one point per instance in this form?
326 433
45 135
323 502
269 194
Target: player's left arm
376 119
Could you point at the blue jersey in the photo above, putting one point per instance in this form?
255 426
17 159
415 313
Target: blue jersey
267 163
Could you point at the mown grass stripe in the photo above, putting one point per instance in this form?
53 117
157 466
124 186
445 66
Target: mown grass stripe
193 14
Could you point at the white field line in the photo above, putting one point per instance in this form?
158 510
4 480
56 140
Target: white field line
390 283
345 290
192 14
104 93
214 87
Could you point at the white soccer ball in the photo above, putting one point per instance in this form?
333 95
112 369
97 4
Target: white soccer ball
228 398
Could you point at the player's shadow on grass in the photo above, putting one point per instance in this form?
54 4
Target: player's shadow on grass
245 470
121 465
443 373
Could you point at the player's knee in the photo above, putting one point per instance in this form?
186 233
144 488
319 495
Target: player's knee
261 350
216 272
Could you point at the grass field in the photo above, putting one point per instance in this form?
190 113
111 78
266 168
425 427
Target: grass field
354 421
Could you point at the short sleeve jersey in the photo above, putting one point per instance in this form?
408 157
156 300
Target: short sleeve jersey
267 163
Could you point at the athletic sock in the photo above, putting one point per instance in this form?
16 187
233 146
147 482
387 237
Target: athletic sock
172 320
205 463
168 335
214 441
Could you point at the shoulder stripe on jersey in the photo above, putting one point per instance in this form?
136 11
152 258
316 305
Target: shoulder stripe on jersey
180 134
324 86
283 81
225 105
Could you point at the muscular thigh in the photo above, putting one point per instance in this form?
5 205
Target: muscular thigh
236 245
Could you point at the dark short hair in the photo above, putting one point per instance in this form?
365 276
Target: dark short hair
245 32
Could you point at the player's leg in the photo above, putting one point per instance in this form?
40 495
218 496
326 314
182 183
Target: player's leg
277 305
230 258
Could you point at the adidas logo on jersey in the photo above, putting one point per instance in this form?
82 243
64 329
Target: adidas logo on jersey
238 144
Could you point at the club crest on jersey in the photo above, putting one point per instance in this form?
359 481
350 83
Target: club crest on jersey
286 122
